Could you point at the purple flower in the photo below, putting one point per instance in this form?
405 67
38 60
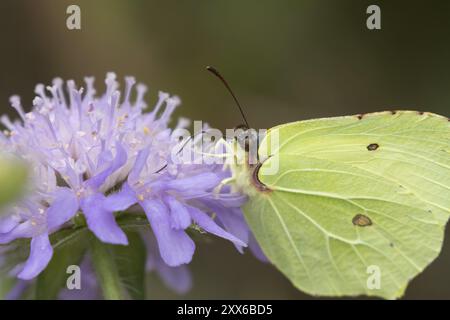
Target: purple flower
170 200
99 155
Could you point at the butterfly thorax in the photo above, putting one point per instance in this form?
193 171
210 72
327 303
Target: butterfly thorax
244 172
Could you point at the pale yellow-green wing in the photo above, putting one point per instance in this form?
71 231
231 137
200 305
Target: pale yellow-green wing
406 147
358 205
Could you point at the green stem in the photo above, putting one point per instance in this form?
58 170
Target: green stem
106 270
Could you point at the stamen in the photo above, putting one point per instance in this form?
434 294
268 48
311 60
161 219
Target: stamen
15 103
58 83
162 97
90 90
130 81
71 88
171 104
141 90
7 123
111 83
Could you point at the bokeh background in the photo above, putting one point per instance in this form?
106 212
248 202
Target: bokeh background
286 60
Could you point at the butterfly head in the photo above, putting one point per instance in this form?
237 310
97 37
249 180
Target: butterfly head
244 157
246 138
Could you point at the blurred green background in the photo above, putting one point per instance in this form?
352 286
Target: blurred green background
286 60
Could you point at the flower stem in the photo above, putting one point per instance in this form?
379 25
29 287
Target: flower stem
106 270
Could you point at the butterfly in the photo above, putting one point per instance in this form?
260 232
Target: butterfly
358 204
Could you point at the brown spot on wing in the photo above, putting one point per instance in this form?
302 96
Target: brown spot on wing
373 146
361 220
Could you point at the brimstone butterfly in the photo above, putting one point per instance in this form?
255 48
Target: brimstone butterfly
359 203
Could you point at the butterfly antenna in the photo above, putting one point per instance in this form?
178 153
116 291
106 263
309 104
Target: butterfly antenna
218 75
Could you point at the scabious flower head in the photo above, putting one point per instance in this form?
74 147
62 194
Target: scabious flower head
97 155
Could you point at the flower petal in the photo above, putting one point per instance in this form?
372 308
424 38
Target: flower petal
256 250
121 200
230 200
179 214
175 246
202 181
23 230
120 159
139 164
8 222
41 253
178 279
233 222
208 224
62 209
101 221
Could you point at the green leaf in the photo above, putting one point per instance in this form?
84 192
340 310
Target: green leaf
69 248
13 175
6 284
131 262
128 262
106 270
132 222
